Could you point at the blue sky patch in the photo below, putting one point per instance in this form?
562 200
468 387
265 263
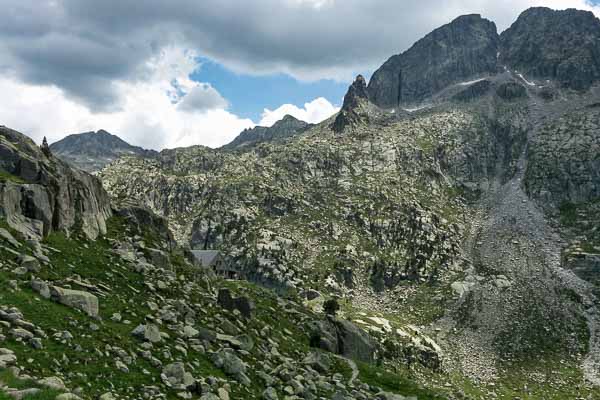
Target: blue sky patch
248 95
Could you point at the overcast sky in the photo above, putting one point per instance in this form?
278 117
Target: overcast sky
168 73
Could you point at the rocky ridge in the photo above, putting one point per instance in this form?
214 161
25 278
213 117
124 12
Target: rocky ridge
283 129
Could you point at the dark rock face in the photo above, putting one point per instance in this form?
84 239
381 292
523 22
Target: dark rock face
473 92
243 304
584 265
464 48
141 219
511 91
344 338
285 128
45 194
92 151
557 45
350 113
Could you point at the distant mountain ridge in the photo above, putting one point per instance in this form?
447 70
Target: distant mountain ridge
92 151
287 127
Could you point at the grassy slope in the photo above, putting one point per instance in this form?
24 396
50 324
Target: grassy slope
89 366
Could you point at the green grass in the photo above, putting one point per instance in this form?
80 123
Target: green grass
397 382
568 213
8 177
92 261
9 380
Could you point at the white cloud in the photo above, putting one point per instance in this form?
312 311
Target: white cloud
315 111
59 58
149 116
202 97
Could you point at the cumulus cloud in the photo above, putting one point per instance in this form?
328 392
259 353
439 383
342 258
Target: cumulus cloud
87 46
71 65
151 114
314 112
202 97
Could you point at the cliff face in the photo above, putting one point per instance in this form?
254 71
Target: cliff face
464 48
40 193
556 45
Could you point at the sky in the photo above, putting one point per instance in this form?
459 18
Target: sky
171 73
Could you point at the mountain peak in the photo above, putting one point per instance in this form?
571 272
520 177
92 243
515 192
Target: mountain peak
350 113
288 117
286 127
91 151
561 45
464 48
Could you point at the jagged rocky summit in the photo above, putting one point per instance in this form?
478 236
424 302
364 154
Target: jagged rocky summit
464 48
543 44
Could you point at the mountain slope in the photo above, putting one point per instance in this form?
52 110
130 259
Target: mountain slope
471 218
92 151
281 130
124 315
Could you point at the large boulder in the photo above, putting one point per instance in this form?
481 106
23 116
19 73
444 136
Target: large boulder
242 304
148 332
354 342
84 301
232 365
342 337
176 376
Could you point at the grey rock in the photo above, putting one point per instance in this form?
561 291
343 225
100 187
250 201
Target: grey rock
52 382
318 361
84 301
4 234
54 197
41 287
31 264
177 375
148 332
270 394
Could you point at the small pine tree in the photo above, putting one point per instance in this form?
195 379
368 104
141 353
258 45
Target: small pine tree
45 148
